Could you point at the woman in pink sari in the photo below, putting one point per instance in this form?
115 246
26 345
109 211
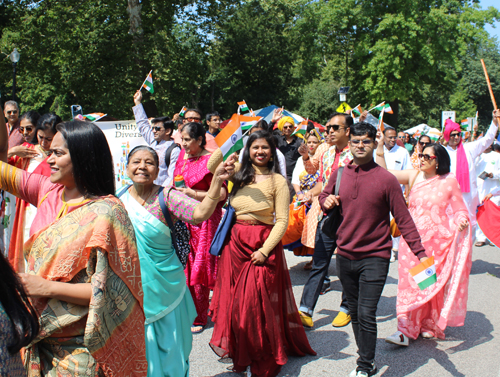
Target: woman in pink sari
439 212
201 267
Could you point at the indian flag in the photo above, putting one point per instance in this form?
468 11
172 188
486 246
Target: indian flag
434 135
148 83
230 139
357 111
247 122
464 123
243 106
94 117
385 106
379 107
381 126
301 129
183 111
424 274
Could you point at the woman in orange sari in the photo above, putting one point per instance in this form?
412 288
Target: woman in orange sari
83 273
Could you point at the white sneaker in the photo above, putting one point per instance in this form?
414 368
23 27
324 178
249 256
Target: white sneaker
358 374
248 372
398 338
426 335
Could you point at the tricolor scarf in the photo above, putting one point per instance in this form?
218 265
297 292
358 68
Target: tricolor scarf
462 172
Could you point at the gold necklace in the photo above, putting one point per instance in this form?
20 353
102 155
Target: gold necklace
147 197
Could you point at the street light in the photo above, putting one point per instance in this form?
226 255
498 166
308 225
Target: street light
14 58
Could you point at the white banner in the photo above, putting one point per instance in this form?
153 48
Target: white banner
122 136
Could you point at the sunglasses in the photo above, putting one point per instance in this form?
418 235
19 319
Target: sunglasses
455 135
401 137
157 129
12 112
365 142
288 127
426 157
423 143
192 119
27 129
334 127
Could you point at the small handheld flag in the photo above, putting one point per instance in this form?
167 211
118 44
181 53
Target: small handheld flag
464 123
381 126
94 117
243 107
379 107
247 122
357 111
301 129
230 139
424 274
148 83
183 111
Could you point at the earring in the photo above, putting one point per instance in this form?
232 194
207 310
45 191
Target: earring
271 159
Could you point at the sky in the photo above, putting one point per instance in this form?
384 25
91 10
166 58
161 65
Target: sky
493 31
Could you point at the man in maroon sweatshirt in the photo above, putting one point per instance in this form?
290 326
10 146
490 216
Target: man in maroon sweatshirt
368 193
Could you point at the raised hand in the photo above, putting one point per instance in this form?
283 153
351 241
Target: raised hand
138 97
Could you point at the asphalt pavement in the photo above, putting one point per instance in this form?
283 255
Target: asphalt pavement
472 350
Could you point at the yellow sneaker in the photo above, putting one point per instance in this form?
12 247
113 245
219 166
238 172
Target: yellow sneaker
342 319
306 320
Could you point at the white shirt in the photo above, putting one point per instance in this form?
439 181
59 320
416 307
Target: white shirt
397 158
472 151
489 163
299 168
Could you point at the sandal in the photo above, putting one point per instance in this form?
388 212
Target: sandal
196 329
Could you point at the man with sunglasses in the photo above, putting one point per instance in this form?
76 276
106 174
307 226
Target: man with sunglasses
368 195
158 135
11 112
338 154
463 157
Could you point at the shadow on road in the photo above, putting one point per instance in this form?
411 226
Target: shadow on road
477 330
482 267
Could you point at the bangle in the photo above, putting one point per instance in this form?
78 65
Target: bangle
214 199
380 154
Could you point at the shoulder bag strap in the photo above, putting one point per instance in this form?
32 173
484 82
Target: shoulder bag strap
125 189
339 178
166 215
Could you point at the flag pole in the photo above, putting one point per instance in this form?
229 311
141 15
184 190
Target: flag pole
140 89
375 107
489 85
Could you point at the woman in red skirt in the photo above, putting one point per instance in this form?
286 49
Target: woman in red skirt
256 320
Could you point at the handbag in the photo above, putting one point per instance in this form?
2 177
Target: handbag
223 230
332 220
179 232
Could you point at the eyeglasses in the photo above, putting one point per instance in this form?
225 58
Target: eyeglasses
365 142
288 127
426 157
455 135
157 129
12 112
193 119
401 137
27 129
334 127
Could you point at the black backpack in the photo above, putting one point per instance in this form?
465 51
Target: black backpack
169 152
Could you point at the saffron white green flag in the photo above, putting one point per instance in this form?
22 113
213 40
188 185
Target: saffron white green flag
357 111
230 139
301 129
243 106
148 83
424 273
247 122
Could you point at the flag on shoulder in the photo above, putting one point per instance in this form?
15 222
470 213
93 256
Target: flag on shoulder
230 139
183 111
247 122
301 129
148 83
424 274
242 106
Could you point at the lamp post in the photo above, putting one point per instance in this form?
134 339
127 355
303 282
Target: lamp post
14 58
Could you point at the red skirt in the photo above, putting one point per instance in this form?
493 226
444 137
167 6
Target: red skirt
253 308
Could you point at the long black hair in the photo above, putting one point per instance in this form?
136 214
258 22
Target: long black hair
246 174
15 302
90 156
443 158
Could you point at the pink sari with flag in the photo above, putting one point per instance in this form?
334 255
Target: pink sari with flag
437 208
201 267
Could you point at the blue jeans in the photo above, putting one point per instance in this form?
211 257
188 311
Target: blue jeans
363 282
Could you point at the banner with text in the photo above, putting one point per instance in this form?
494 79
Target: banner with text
122 136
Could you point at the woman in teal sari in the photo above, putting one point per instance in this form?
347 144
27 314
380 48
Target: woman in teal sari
168 305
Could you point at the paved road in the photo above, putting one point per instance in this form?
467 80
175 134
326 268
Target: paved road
472 350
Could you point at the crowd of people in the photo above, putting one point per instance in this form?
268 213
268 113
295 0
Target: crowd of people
100 282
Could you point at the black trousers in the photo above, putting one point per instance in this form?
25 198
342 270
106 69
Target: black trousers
363 281
323 251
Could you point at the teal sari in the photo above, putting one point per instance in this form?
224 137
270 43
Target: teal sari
168 305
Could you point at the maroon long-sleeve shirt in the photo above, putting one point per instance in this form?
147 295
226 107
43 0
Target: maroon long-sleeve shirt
368 193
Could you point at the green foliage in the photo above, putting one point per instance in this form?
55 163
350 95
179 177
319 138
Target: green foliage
422 56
